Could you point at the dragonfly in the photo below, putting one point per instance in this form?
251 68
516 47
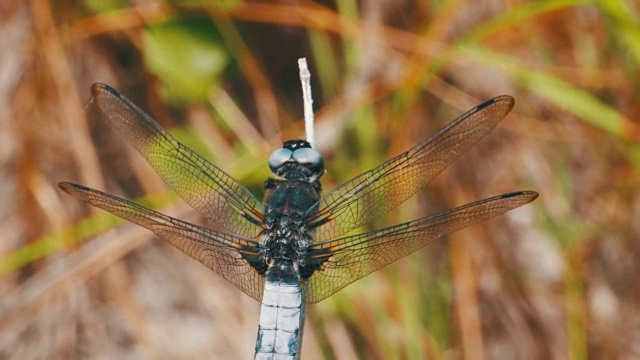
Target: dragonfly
295 247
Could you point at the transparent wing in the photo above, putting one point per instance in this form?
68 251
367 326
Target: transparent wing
351 258
227 255
375 192
201 184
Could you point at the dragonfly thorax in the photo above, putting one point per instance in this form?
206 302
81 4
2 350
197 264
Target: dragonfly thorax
285 237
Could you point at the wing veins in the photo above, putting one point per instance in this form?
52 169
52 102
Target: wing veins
343 209
353 257
213 249
202 185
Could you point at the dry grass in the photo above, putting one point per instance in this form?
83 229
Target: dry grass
557 279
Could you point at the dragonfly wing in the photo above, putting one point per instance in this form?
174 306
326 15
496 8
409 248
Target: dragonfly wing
375 192
227 255
201 184
351 258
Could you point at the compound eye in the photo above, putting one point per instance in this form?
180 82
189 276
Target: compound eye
279 158
309 158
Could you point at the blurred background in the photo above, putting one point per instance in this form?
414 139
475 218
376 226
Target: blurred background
556 279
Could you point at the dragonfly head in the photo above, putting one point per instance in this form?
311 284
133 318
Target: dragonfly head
297 160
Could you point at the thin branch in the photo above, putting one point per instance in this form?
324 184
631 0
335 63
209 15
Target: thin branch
305 80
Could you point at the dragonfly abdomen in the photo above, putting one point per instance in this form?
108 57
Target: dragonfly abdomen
282 313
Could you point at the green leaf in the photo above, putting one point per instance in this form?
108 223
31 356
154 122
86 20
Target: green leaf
579 102
518 15
625 23
187 57
104 6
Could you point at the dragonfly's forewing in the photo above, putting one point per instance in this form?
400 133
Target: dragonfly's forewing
201 184
225 254
351 258
375 192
